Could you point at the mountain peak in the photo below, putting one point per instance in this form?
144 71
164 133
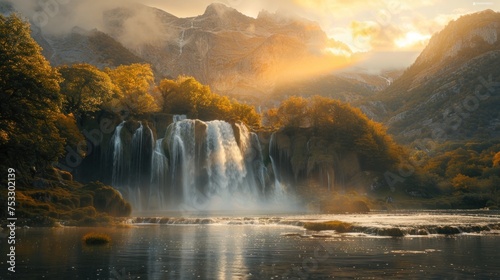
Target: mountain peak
217 9
472 35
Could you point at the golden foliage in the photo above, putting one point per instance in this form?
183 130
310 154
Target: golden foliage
85 88
133 88
496 159
339 123
30 98
186 95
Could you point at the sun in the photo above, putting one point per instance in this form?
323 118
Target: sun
411 38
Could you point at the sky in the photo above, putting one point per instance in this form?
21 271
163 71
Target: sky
383 32
373 25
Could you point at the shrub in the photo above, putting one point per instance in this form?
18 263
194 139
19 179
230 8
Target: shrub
93 238
338 226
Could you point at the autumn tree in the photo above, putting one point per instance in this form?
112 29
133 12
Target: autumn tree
85 88
293 111
463 183
496 159
187 96
342 125
134 83
29 97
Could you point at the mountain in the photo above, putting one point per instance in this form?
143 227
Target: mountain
451 92
6 8
233 53
348 86
93 47
79 45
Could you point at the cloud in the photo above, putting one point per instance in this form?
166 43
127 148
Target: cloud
368 35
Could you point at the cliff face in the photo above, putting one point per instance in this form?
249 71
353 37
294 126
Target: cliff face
304 159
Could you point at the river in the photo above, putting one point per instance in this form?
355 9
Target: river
267 247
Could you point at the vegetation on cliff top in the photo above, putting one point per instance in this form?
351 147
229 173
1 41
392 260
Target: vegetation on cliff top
339 123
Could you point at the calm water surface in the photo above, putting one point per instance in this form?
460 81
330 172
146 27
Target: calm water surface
258 251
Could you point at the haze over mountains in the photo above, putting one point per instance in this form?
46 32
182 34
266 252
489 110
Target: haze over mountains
276 56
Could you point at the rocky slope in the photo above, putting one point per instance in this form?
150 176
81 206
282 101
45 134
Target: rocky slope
451 92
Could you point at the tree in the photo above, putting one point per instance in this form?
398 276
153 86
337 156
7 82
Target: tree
347 128
187 96
134 83
29 97
293 111
463 183
496 159
85 89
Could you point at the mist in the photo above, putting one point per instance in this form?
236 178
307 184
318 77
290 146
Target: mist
132 24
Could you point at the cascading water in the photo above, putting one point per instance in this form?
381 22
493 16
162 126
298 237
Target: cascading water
181 41
132 163
119 163
159 177
225 163
181 142
196 166
279 189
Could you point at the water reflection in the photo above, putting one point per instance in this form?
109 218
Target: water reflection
247 252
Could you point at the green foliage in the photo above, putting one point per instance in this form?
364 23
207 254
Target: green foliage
188 96
85 88
29 94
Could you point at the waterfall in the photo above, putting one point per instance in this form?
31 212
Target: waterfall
159 172
181 42
178 118
254 161
279 190
197 166
119 164
182 159
227 172
132 163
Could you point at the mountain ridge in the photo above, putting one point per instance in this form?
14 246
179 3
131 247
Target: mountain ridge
441 90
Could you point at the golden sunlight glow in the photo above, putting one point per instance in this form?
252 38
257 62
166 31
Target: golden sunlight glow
411 39
338 52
